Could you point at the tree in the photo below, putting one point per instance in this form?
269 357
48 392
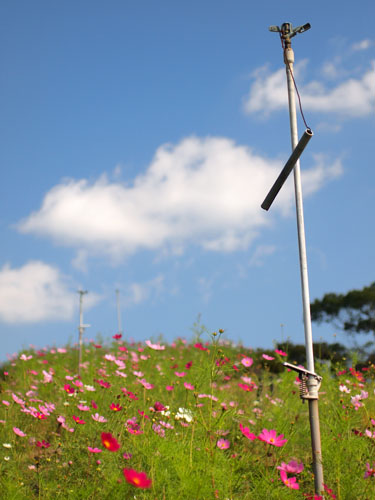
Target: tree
353 312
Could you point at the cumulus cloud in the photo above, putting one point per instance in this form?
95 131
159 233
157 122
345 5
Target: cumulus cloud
352 97
140 292
205 192
35 292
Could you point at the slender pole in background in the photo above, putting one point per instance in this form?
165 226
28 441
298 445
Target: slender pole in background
81 328
312 380
119 327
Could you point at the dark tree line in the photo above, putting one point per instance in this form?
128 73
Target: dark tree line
352 312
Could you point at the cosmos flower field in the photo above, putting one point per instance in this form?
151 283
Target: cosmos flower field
204 419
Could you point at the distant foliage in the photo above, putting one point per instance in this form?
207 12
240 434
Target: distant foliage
353 312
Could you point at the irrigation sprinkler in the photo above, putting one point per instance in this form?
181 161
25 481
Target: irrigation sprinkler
119 327
81 328
310 381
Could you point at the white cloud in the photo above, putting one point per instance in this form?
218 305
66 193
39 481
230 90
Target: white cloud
205 192
353 97
38 292
262 251
140 292
362 45
35 292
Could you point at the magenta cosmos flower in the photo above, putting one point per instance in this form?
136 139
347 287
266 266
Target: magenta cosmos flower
109 441
137 479
270 437
369 471
290 482
280 352
246 432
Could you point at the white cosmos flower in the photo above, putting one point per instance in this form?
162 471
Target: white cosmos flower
184 414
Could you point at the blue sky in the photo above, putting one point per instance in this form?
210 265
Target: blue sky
138 142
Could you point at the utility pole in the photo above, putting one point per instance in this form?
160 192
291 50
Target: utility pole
119 328
309 380
81 328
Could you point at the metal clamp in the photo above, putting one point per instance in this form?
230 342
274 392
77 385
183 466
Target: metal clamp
304 376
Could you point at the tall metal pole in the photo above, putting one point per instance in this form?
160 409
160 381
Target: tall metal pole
118 312
312 382
81 328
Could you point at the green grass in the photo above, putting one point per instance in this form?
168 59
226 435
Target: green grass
186 463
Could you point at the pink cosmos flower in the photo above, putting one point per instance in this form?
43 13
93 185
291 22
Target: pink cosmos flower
157 428
246 432
68 388
343 388
94 450
267 357
280 352
18 400
98 418
290 482
223 444
169 387
155 347
25 358
146 384
115 407
247 361
103 383
369 471
83 407
42 444
180 374
47 377
129 394
246 387
158 407
329 491
271 438
38 415
188 386
292 467
18 431
77 420
143 414
127 456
